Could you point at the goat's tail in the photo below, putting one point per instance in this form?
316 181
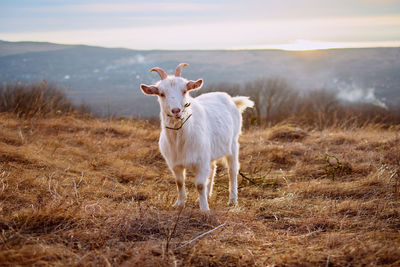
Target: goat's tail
243 102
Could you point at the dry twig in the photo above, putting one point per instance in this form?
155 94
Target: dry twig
200 236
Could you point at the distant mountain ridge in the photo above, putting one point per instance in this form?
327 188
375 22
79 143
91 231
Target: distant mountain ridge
15 48
109 78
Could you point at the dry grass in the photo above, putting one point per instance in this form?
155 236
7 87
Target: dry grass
77 191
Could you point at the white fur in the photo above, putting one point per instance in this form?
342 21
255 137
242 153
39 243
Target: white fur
210 134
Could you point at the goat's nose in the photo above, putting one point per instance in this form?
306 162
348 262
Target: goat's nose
176 110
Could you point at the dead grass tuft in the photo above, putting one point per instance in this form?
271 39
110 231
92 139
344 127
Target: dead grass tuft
288 133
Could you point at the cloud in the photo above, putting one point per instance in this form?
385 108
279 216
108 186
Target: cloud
226 34
147 7
195 24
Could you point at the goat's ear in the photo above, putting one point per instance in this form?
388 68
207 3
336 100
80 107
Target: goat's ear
149 89
194 85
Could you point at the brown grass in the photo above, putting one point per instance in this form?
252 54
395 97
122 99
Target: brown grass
78 191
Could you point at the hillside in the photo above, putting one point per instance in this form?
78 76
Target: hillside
16 48
82 191
109 78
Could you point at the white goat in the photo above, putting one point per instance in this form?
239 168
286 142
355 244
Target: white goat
196 132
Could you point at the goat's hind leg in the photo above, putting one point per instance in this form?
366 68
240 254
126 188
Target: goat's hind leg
179 173
233 163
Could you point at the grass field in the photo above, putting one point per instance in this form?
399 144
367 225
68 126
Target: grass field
84 191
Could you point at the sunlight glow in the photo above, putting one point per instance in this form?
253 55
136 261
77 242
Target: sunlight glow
302 45
307 45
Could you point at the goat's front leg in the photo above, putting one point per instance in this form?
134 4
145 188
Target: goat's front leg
201 179
179 173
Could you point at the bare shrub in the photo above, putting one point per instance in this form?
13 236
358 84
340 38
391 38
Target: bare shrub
277 101
274 99
36 99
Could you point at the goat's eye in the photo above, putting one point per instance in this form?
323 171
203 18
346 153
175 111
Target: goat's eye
162 94
184 92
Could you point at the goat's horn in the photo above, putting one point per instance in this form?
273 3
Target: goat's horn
178 70
161 72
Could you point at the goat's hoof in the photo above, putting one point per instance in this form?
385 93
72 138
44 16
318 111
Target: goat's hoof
204 207
232 202
205 210
179 204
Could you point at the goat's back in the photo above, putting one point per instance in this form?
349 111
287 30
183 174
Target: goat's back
223 121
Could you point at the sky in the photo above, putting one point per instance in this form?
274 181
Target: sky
233 24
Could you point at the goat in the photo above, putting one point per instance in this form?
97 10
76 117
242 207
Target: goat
196 132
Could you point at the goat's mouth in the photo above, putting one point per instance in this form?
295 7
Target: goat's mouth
182 122
174 116
179 117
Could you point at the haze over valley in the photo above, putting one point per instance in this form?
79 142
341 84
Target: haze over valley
108 79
